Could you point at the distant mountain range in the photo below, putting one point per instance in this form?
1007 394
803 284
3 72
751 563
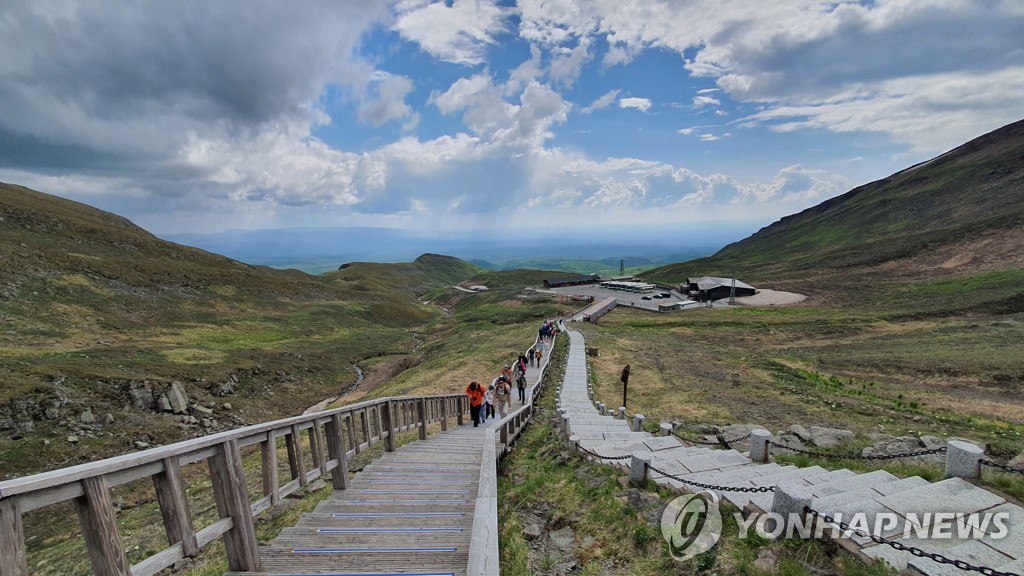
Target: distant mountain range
317 250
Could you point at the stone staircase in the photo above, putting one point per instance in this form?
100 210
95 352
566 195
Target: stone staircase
831 491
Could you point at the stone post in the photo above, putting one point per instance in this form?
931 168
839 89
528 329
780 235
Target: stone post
601 408
574 444
789 501
759 439
638 423
963 460
665 429
638 467
565 425
622 413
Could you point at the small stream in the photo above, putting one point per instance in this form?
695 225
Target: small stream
319 406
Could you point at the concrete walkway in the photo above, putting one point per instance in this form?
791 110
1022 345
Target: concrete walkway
833 491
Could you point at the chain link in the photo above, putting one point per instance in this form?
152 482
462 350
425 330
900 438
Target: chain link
917 552
856 456
1003 467
709 486
718 442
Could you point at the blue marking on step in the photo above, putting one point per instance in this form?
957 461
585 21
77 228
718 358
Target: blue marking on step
384 530
374 574
370 550
404 502
443 474
407 491
395 514
418 482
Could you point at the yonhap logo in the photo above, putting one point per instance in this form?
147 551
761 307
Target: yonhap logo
691 525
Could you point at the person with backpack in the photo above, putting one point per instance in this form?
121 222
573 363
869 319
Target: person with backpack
476 400
538 354
489 403
503 396
521 386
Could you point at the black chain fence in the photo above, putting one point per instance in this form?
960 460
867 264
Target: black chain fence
917 552
829 455
1003 467
718 441
665 474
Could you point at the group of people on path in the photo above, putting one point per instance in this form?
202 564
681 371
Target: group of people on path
482 401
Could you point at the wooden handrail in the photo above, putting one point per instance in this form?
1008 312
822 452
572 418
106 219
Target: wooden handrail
333 437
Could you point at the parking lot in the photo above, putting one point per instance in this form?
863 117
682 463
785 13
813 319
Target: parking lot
623 298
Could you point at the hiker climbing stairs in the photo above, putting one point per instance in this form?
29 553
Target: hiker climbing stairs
735 478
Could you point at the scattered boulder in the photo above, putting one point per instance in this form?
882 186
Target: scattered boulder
203 409
178 398
108 419
140 445
905 445
87 417
532 531
736 430
564 539
73 439
1017 461
141 396
163 404
789 441
801 433
225 389
226 406
829 437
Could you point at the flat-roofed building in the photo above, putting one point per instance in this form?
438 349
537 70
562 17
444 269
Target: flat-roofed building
715 288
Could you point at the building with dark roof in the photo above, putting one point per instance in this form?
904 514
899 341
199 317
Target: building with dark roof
572 281
715 288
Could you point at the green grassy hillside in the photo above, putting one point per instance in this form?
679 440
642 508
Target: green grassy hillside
955 213
100 318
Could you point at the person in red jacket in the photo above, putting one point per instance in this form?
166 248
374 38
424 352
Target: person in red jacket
476 400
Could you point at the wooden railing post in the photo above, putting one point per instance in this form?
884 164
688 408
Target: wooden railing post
99 528
337 450
444 414
421 412
316 446
271 482
387 422
295 463
13 559
170 492
364 421
232 497
350 422
459 411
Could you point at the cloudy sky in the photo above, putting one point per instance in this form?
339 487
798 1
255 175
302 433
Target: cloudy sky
197 116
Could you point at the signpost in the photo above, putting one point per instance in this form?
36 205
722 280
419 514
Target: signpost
625 382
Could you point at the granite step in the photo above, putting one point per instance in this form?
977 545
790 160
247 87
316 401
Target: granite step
849 483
